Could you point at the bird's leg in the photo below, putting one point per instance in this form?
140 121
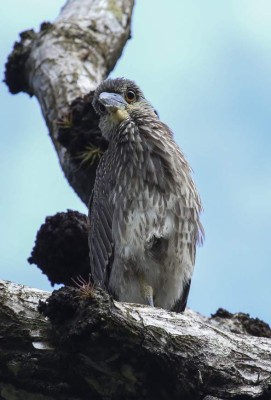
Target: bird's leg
146 291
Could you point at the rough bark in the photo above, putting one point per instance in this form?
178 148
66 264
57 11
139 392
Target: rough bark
61 248
61 65
94 347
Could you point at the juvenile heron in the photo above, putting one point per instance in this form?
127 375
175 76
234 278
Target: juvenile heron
144 210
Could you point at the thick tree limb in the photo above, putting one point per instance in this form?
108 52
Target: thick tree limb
98 348
65 61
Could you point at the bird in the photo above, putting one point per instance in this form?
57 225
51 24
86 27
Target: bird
144 212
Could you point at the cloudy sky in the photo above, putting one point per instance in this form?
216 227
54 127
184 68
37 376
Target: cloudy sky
205 66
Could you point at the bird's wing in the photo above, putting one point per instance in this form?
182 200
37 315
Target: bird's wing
150 230
100 239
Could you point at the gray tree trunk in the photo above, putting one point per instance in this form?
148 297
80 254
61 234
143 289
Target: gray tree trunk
96 348
84 345
62 65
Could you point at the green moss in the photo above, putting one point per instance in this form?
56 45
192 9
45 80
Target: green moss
90 155
115 9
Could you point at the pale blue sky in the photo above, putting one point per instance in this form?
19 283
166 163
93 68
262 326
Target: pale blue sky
205 66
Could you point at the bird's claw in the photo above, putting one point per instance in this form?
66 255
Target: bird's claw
147 292
149 299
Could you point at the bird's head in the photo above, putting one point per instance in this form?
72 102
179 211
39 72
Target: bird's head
117 100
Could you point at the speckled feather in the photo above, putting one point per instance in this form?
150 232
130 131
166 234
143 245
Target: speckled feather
144 212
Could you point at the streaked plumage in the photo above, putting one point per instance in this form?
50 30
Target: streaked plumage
144 211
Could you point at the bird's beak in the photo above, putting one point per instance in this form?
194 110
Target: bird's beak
112 101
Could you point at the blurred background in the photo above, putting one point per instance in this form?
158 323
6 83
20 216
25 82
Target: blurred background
206 67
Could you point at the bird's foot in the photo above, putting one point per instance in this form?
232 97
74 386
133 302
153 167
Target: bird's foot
147 292
149 299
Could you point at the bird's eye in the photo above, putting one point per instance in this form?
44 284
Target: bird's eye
130 96
102 108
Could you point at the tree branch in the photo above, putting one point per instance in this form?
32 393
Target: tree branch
98 348
61 65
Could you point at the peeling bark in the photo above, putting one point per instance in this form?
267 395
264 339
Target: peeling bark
94 347
63 64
